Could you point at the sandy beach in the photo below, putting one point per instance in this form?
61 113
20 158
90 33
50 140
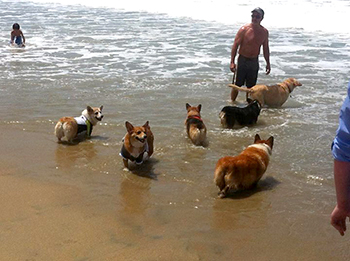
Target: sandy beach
75 202
54 210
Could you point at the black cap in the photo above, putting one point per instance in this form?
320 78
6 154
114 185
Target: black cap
259 11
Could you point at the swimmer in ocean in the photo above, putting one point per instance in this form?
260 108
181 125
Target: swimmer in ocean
17 36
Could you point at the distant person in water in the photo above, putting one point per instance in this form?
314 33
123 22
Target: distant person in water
248 41
17 36
341 154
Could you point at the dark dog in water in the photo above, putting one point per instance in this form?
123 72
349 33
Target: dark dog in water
232 115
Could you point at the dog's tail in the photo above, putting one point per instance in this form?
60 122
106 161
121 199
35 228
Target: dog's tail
241 89
198 136
227 121
59 132
219 176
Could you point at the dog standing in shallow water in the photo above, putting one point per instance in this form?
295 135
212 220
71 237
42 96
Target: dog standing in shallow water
137 141
195 127
232 115
245 170
70 127
270 95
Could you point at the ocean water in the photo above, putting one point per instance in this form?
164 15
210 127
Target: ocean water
144 60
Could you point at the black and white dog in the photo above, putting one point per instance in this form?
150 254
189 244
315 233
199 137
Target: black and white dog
233 115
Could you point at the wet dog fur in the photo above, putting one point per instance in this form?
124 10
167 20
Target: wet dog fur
233 115
68 127
137 144
195 127
245 170
270 95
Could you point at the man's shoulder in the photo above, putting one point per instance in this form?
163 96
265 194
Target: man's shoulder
264 29
245 27
242 31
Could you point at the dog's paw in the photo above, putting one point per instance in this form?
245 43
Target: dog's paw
221 195
145 156
126 169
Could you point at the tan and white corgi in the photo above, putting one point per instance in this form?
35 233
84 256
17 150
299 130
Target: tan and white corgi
137 141
195 127
70 127
245 170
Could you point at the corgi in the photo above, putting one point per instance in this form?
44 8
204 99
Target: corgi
70 127
137 142
245 170
270 95
232 115
195 127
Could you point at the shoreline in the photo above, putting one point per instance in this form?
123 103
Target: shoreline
66 214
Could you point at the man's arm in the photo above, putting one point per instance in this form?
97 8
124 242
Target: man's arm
266 51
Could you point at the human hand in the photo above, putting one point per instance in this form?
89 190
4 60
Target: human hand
268 69
338 220
233 67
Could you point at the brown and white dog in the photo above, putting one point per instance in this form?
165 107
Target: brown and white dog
270 95
137 141
195 127
245 170
70 127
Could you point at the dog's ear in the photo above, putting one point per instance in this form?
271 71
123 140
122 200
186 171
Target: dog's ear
129 126
257 138
270 142
146 125
187 106
89 109
101 107
199 107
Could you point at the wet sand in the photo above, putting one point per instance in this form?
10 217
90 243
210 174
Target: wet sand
55 205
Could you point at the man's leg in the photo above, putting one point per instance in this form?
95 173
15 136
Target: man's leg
234 94
240 78
252 74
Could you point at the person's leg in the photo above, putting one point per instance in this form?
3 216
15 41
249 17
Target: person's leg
252 74
234 94
240 77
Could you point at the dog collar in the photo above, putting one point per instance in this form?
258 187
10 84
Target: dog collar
288 88
195 117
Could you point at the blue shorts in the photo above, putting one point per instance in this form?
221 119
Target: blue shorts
18 40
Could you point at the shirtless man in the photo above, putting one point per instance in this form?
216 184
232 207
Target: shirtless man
249 39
